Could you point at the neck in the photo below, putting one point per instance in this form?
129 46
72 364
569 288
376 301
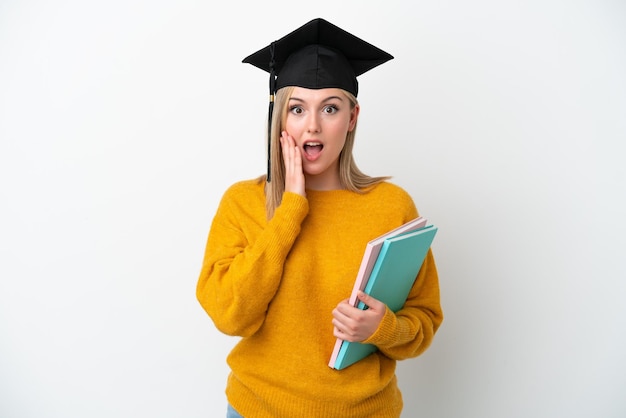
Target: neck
324 181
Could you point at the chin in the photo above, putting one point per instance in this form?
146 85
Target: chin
313 173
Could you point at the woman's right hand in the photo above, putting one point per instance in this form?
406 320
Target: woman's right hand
294 176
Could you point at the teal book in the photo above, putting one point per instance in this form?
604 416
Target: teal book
394 273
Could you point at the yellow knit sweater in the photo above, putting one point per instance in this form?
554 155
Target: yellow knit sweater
276 283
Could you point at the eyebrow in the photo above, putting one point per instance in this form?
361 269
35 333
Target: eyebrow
329 98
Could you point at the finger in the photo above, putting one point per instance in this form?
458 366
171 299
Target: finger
370 302
344 309
346 317
297 160
339 334
343 331
343 320
285 149
289 150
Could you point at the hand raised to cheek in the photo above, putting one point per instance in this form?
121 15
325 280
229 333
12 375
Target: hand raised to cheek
354 324
294 176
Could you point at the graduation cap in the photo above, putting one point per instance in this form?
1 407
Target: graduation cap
317 55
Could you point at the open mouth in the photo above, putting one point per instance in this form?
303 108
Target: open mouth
312 148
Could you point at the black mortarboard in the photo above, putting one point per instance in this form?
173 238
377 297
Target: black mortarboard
317 55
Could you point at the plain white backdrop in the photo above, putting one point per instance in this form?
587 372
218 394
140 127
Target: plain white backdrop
123 122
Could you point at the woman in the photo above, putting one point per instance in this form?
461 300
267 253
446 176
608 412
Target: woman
283 250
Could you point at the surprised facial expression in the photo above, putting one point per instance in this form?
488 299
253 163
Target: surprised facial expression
319 121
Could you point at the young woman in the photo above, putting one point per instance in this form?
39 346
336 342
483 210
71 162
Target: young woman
284 250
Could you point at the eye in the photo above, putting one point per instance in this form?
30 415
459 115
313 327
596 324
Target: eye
296 110
330 109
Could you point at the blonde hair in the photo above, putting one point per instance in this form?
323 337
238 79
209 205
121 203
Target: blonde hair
350 177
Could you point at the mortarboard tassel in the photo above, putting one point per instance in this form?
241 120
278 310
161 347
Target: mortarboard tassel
270 111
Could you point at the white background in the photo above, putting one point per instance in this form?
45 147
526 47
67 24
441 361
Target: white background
122 123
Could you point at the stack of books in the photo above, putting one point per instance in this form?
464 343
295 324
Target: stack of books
388 270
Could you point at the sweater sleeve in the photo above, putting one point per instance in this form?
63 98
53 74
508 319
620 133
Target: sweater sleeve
241 273
410 331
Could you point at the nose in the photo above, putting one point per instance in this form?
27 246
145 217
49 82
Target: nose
313 123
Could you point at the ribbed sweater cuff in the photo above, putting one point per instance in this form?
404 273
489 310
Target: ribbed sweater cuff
386 332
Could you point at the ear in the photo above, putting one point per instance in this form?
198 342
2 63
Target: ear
354 115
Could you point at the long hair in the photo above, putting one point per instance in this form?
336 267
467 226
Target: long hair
350 177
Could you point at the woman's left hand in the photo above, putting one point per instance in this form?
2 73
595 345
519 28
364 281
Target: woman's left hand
354 324
294 176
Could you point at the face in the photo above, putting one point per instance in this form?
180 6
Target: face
318 121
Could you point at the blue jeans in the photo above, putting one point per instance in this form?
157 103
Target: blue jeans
231 413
